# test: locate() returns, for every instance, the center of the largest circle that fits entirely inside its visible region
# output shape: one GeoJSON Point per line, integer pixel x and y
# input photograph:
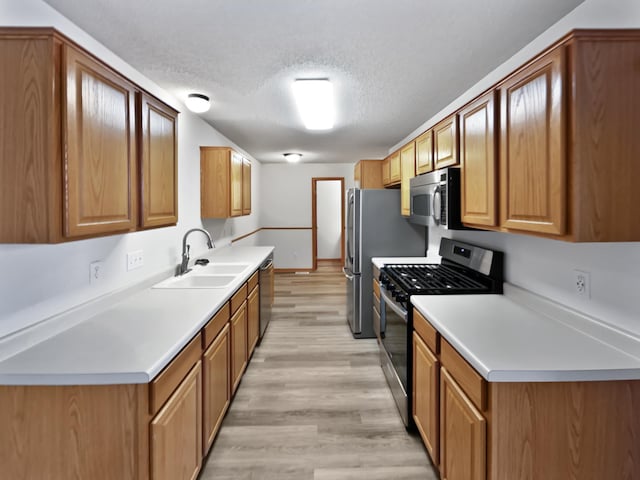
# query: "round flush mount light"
{"type": "Point", "coordinates": [197, 102]}
{"type": "Point", "coordinates": [292, 157]}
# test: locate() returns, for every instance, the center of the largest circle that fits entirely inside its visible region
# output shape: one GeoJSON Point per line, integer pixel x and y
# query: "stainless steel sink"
{"type": "Point", "coordinates": [194, 280]}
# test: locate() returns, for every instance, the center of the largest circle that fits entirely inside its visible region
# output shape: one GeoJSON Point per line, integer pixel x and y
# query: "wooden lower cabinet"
{"type": "Point", "coordinates": [394, 168]}
{"type": "Point", "coordinates": [520, 430]}
{"type": "Point", "coordinates": [238, 345]}
{"type": "Point", "coordinates": [176, 432]}
{"type": "Point", "coordinates": [216, 395]}
{"type": "Point", "coordinates": [426, 413]}
{"type": "Point", "coordinates": [253, 320]}
{"type": "Point", "coordinates": [463, 437]}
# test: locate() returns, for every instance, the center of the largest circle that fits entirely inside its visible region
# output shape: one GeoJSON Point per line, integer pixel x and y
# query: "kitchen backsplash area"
{"type": "Point", "coordinates": [547, 267]}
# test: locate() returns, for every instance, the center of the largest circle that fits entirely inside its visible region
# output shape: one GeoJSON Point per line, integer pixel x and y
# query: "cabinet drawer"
{"type": "Point", "coordinates": [238, 297]}
{"type": "Point", "coordinates": [168, 380]}
{"type": "Point", "coordinates": [376, 289]}
{"type": "Point", "coordinates": [252, 282]}
{"type": "Point", "coordinates": [215, 325]}
{"type": "Point", "coordinates": [376, 304]}
{"type": "Point", "coordinates": [471, 382]}
{"type": "Point", "coordinates": [428, 334]}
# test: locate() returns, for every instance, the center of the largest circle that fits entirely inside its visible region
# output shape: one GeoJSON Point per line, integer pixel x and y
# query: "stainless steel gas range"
{"type": "Point", "coordinates": [465, 269]}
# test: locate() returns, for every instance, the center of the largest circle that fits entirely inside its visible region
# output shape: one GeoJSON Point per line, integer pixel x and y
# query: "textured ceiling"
{"type": "Point", "coordinates": [394, 63]}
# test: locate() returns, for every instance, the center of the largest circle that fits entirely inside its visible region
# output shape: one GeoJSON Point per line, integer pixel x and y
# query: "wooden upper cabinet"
{"type": "Point", "coordinates": [236, 184]}
{"type": "Point", "coordinates": [533, 184]}
{"type": "Point", "coordinates": [424, 152]}
{"type": "Point", "coordinates": [368, 174]}
{"type": "Point", "coordinates": [445, 142]}
{"type": "Point", "coordinates": [100, 161]}
{"type": "Point", "coordinates": [394, 168]}
{"type": "Point", "coordinates": [246, 187]}
{"type": "Point", "coordinates": [408, 169]}
{"type": "Point", "coordinates": [478, 159]}
{"type": "Point", "coordinates": [221, 183]}
{"type": "Point", "coordinates": [386, 171]}
{"type": "Point", "coordinates": [69, 163]}
{"type": "Point", "coordinates": [158, 163]}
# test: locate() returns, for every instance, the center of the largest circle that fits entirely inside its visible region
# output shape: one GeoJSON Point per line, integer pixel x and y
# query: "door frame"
{"type": "Point", "coordinates": [314, 217]}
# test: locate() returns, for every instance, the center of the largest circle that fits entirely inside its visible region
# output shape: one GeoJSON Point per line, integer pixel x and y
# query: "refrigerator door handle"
{"type": "Point", "coordinates": [347, 274]}
{"type": "Point", "coordinates": [350, 231]}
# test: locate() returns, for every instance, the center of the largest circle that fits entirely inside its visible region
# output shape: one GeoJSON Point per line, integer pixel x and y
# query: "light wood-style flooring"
{"type": "Point", "coordinates": [313, 403]}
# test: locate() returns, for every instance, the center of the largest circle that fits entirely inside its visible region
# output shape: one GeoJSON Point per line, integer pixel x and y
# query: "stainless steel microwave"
{"type": "Point", "coordinates": [435, 199]}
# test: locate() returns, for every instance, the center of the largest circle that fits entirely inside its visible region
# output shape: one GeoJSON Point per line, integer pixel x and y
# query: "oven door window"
{"type": "Point", "coordinates": [395, 341]}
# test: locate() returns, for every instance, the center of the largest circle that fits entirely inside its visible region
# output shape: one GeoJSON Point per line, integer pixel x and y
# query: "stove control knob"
{"type": "Point", "coordinates": [401, 297]}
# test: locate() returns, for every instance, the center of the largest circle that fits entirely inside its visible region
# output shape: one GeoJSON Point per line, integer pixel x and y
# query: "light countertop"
{"type": "Point", "coordinates": [134, 339]}
{"type": "Point", "coordinates": [520, 337]}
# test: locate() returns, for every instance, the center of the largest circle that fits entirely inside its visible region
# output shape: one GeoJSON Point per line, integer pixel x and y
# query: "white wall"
{"type": "Point", "coordinates": [37, 281]}
{"type": "Point", "coordinates": [286, 202]}
{"type": "Point", "coordinates": [329, 219]}
{"type": "Point", "coordinates": [546, 266]}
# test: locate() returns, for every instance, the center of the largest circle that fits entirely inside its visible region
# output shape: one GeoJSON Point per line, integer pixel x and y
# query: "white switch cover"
{"type": "Point", "coordinates": [135, 260]}
{"type": "Point", "coordinates": [95, 272]}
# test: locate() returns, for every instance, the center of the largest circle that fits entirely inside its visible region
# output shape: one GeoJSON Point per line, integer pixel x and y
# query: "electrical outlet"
{"type": "Point", "coordinates": [582, 283]}
{"type": "Point", "coordinates": [135, 260]}
{"type": "Point", "coordinates": [95, 272]}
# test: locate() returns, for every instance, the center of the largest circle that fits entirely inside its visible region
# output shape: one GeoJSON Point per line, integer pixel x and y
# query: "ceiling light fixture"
{"type": "Point", "coordinates": [292, 157]}
{"type": "Point", "coordinates": [197, 103]}
{"type": "Point", "coordinates": [315, 102]}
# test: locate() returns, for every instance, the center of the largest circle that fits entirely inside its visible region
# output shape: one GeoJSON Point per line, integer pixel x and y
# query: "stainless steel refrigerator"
{"type": "Point", "coordinates": [375, 228]}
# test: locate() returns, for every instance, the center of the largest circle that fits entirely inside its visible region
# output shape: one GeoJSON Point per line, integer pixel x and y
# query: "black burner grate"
{"type": "Point", "coordinates": [436, 278]}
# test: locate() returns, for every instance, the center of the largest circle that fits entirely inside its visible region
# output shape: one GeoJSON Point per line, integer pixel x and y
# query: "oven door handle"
{"type": "Point", "coordinates": [392, 305]}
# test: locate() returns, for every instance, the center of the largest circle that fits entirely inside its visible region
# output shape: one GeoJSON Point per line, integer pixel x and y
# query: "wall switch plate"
{"type": "Point", "coordinates": [135, 260]}
{"type": "Point", "coordinates": [582, 283]}
{"type": "Point", "coordinates": [95, 272]}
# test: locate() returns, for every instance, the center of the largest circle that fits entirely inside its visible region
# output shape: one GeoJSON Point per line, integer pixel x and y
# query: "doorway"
{"type": "Point", "coordinates": [327, 225]}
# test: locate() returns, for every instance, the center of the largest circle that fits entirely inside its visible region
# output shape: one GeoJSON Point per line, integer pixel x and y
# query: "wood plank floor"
{"type": "Point", "coordinates": [313, 403]}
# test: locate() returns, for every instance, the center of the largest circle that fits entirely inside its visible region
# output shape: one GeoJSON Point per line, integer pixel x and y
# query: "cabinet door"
{"type": "Point", "coordinates": [386, 171]}
{"type": "Point", "coordinates": [238, 345]}
{"type": "Point", "coordinates": [216, 372]}
{"type": "Point", "coordinates": [158, 163]}
{"type": "Point", "coordinates": [532, 157]}
{"type": "Point", "coordinates": [394, 168]}
{"type": "Point", "coordinates": [463, 436]}
{"type": "Point", "coordinates": [246, 187]}
{"type": "Point", "coordinates": [253, 319]}
{"type": "Point", "coordinates": [424, 152]}
{"type": "Point", "coordinates": [176, 432]}
{"type": "Point", "coordinates": [445, 142]}
{"type": "Point", "coordinates": [426, 372]}
{"type": "Point", "coordinates": [408, 168]}
{"type": "Point", "coordinates": [236, 184]}
{"type": "Point", "coordinates": [478, 156]}
{"type": "Point", "coordinates": [100, 155]}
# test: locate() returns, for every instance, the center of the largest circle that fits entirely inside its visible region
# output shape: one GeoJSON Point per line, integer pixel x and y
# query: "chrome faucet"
{"type": "Point", "coordinates": [183, 268]}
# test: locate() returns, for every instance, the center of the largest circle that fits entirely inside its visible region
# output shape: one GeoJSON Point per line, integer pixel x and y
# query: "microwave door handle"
{"type": "Point", "coordinates": [435, 209]}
